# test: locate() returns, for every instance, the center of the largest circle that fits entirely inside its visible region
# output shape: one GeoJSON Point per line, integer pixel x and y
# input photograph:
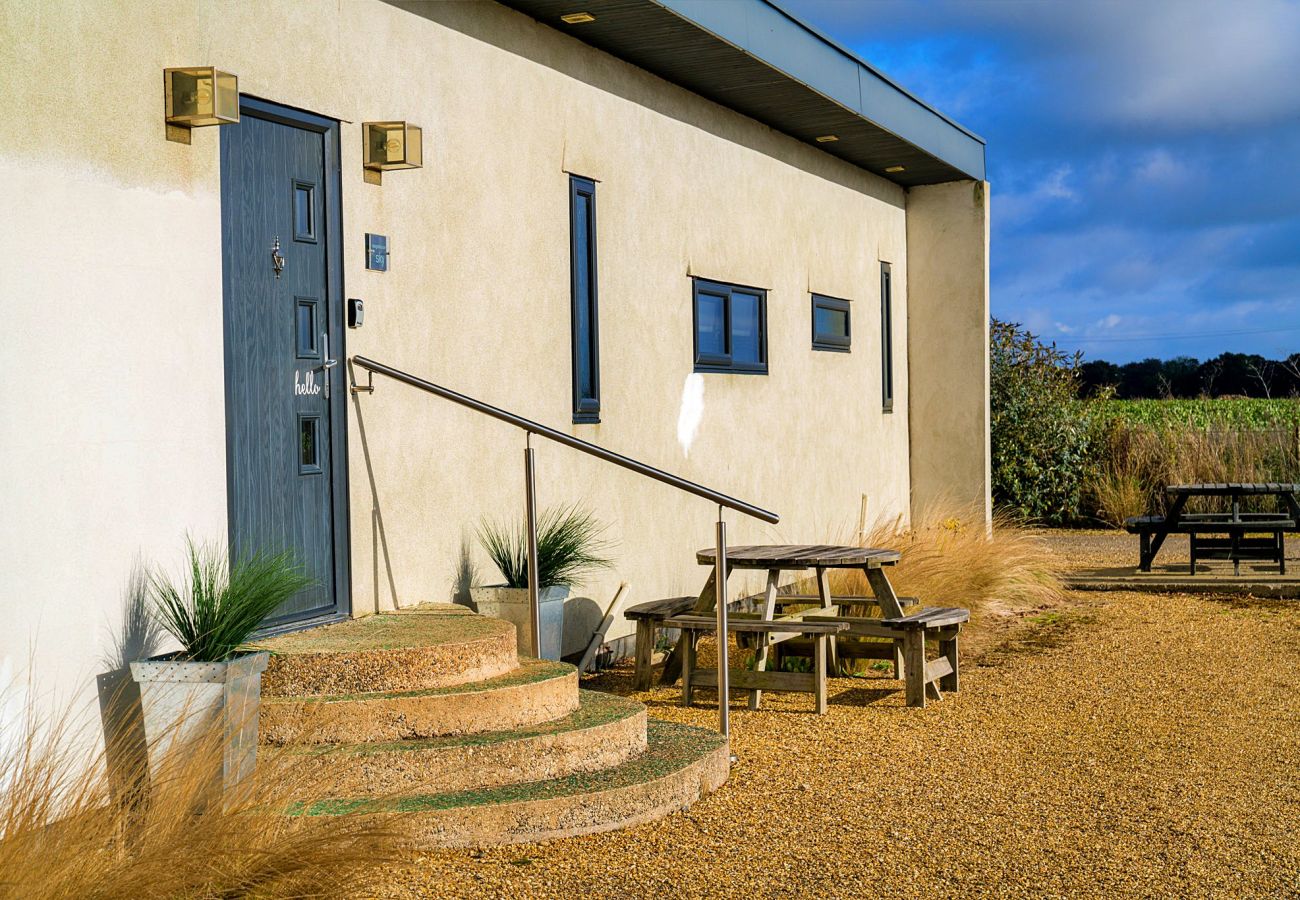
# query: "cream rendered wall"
{"type": "Point", "coordinates": [110, 282]}
{"type": "Point", "coordinates": [948, 356]}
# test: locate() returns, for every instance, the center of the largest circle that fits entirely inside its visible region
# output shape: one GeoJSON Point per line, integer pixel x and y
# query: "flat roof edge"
{"type": "Point", "coordinates": [774, 37]}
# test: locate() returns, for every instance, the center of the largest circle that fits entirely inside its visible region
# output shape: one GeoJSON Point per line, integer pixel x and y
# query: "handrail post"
{"type": "Point", "coordinates": [530, 513]}
{"type": "Point", "coordinates": [720, 603]}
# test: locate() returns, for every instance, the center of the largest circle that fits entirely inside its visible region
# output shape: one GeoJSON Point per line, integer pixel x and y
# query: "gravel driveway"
{"type": "Point", "coordinates": [1133, 745]}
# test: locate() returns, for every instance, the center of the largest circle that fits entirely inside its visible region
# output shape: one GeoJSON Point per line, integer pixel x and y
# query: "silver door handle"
{"type": "Point", "coordinates": [327, 361]}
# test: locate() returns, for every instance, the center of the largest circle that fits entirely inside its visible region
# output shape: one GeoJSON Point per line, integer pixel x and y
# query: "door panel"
{"type": "Point", "coordinates": [284, 387]}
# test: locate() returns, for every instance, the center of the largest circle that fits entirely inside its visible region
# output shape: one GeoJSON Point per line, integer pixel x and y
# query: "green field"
{"type": "Point", "coordinates": [1219, 412]}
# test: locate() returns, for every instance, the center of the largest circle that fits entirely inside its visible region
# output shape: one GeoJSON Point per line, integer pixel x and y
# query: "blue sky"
{"type": "Point", "coordinates": [1144, 158]}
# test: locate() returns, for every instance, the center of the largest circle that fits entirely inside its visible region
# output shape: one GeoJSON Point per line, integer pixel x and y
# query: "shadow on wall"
{"type": "Point", "coordinates": [466, 576]}
{"type": "Point", "coordinates": [120, 713]}
{"type": "Point", "coordinates": [515, 33]}
{"type": "Point", "coordinates": [378, 539]}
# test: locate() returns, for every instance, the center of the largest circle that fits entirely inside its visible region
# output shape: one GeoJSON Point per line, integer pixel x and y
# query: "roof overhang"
{"type": "Point", "coordinates": [752, 56]}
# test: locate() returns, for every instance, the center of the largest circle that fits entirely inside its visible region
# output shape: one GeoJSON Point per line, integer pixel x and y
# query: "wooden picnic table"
{"type": "Point", "coordinates": [1154, 529]}
{"type": "Point", "coordinates": [778, 558]}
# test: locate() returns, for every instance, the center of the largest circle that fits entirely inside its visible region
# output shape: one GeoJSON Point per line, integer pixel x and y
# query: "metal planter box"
{"type": "Point", "coordinates": [185, 701]}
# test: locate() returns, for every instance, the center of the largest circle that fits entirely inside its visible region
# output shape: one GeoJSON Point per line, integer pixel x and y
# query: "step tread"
{"type": "Point", "coordinates": [425, 626]}
{"type": "Point", "coordinates": [595, 709]}
{"type": "Point", "coordinates": [528, 671]}
{"type": "Point", "coordinates": [672, 748]}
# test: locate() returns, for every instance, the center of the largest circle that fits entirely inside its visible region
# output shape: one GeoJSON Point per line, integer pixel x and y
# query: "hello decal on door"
{"type": "Point", "coordinates": [305, 386]}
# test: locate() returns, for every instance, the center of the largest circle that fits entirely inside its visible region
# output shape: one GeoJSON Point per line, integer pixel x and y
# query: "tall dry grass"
{"type": "Point", "coordinates": [1137, 461]}
{"type": "Point", "coordinates": [71, 826]}
{"type": "Point", "coordinates": [949, 559]}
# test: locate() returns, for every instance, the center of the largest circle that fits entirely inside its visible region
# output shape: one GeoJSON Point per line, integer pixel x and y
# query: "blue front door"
{"type": "Point", "coordinates": [285, 388]}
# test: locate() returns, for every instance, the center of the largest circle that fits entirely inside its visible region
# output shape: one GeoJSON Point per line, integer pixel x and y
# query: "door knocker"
{"type": "Point", "coordinates": [277, 261]}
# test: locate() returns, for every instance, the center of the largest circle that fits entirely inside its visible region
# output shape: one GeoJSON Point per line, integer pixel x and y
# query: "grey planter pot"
{"type": "Point", "coordinates": [183, 701]}
{"type": "Point", "coordinates": [511, 604]}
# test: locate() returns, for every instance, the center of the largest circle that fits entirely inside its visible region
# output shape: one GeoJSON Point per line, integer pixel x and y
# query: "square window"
{"type": "Point", "coordinates": [830, 324]}
{"type": "Point", "coordinates": [730, 328]}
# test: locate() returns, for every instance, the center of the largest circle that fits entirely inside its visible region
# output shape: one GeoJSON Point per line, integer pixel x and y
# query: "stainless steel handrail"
{"type": "Point", "coordinates": [530, 507]}
{"type": "Point", "coordinates": [569, 440]}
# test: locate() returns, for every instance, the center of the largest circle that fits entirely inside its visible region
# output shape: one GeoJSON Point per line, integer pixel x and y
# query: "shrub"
{"type": "Point", "coordinates": [216, 607]}
{"type": "Point", "coordinates": [1042, 434]}
{"type": "Point", "coordinates": [569, 545]}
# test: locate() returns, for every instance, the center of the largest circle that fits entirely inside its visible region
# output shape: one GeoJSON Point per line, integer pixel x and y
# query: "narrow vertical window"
{"type": "Point", "coordinates": [582, 261]}
{"type": "Point", "coordinates": [886, 338]}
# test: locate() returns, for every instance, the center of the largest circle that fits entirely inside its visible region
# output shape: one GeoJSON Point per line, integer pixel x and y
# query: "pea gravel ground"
{"type": "Point", "coordinates": [1119, 745]}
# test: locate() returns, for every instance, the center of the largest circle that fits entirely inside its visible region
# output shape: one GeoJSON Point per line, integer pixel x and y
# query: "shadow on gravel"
{"type": "Point", "coordinates": [1034, 635]}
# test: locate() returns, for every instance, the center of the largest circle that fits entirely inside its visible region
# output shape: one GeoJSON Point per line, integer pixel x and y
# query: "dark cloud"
{"type": "Point", "coordinates": [1144, 156]}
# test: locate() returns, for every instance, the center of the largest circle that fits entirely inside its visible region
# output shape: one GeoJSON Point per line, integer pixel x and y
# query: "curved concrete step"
{"type": "Point", "coordinates": [434, 645]}
{"type": "Point", "coordinates": [680, 765]}
{"type": "Point", "coordinates": [603, 732]}
{"type": "Point", "coordinates": [537, 691]}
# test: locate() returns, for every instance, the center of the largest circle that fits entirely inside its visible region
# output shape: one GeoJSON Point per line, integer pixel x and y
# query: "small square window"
{"type": "Point", "coordinates": [830, 324]}
{"type": "Point", "coordinates": [730, 328]}
{"type": "Point", "coordinates": [306, 327]}
{"type": "Point", "coordinates": [309, 449]}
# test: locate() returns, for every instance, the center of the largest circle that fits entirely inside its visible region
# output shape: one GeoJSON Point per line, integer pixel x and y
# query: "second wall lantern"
{"type": "Point", "coordinates": [390, 145]}
{"type": "Point", "coordinates": [197, 96]}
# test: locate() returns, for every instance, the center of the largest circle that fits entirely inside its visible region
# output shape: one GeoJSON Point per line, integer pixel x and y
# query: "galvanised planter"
{"type": "Point", "coordinates": [185, 701]}
{"type": "Point", "coordinates": [511, 604]}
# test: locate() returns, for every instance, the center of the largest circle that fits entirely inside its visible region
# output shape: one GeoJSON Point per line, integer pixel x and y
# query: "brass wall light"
{"type": "Point", "coordinates": [390, 145]}
{"type": "Point", "coordinates": [197, 96]}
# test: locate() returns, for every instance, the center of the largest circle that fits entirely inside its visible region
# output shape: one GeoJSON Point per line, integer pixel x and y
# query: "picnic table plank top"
{"type": "Point", "coordinates": [1235, 487]}
{"type": "Point", "coordinates": [801, 556]}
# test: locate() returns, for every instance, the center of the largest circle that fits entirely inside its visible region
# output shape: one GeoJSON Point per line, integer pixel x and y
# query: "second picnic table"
{"type": "Point", "coordinates": [1236, 524]}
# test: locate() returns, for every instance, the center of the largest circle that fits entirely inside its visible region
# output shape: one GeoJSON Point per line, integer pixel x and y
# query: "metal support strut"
{"type": "Point", "coordinates": [530, 513]}
{"type": "Point", "coordinates": [720, 604]}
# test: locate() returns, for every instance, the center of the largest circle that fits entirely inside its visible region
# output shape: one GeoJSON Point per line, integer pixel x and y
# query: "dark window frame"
{"type": "Point", "coordinates": [723, 362]}
{"type": "Point", "coordinates": [835, 343]}
{"type": "Point", "coordinates": [886, 337]}
{"type": "Point", "coordinates": [586, 405]}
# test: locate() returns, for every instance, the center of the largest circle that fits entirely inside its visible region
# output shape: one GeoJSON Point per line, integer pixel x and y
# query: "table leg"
{"type": "Point", "coordinates": [914, 652]}
{"type": "Point", "coordinates": [687, 644]}
{"type": "Point", "coordinates": [705, 604]}
{"type": "Point", "coordinates": [820, 642]}
{"type": "Point", "coordinates": [645, 649]}
{"type": "Point", "coordinates": [948, 647]}
{"type": "Point", "coordinates": [824, 592]}
{"type": "Point", "coordinates": [760, 651]}
{"type": "Point", "coordinates": [1281, 552]}
{"type": "Point", "coordinates": [1158, 539]}
{"type": "Point", "coordinates": [890, 608]}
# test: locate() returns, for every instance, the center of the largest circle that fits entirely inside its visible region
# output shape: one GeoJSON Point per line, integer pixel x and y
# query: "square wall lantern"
{"type": "Point", "coordinates": [198, 96]}
{"type": "Point", "coordinates": [391, 145]}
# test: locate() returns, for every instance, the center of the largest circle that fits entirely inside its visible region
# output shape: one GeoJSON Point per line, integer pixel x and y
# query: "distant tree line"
{"type": "Point", "coordinates": [1229, 374]}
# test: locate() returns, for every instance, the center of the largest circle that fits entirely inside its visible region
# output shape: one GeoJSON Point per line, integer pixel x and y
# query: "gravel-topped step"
{"type": "Point", "coordinates": [680, 765]}
{"type": "Point", "coordinates": [537, 691]}
{"type": "Point", "coordinates": [603, 732]}
{"type": "Point", "coordinates": [433, 645]}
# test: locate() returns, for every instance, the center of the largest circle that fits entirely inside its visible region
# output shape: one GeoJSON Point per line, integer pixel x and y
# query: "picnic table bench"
{"type": "Point", "coordinates": [758, 679]}
{"type": "Point", "coordinates": [1241, 535]}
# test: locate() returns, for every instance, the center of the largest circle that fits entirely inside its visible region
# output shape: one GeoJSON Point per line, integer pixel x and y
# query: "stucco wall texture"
{"type": "Point", "coordinates": [110, 280]}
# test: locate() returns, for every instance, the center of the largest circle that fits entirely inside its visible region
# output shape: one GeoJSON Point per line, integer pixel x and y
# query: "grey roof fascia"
{"type": "Point", "coordinates": [769, 34]}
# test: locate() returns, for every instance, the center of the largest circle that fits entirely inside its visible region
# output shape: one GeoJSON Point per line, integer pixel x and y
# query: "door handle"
{"type": "Point", "coordinates": [328, 362]}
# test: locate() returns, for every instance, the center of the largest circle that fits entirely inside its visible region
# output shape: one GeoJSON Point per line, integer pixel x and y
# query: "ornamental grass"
{"type": "Point", "coordinates": [950, 559]}
{"type": "Point", "coordinates": [97, 826]}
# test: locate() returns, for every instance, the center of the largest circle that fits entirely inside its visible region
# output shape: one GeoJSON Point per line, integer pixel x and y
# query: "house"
{"type": "Point", "coordinates": [696, 233]}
